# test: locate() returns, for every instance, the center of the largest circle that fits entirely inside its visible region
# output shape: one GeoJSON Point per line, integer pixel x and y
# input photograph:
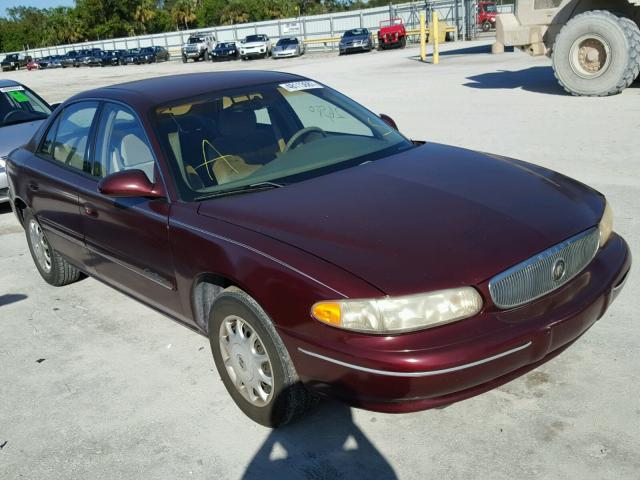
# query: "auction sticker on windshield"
{"type": "Point", "coordinates": [18, 96]}
{"type": "Point", "coordinates": [303, 85]}
{"type": "Point", "coordinates": [13, 88]}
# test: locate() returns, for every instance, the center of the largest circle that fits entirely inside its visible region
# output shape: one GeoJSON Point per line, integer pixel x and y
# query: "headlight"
{"type": "Point", "coordinates": [400, 314]}
{"type": "Point", "coordinates": [3, 163]}
{"type": "Point", "coordinates": [606, 224]}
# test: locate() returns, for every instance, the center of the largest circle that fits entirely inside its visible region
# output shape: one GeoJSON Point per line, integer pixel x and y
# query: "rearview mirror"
{"type": "Point", "coordinates": [128, 183]}
{"type": "Point", "coordinates": [389, 121]}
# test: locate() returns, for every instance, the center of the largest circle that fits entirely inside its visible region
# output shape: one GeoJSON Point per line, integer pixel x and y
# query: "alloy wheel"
{"type": "Point", "coordinates": [40, 246]}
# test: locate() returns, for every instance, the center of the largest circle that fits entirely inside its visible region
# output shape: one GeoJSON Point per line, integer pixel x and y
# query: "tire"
{"type": "Point", "coordinates": [597, 31]}
{"type": "Point", "coordinates": [57, 271]}
{"type": "Point", "coordinates": [288, 399]}
{"type": "Point", "coordinates": [403, 42]}
{"type": "Point", "coordinates": [633, 30]}
{"type": "Point", "coordinates": [486, 27]}
{"type": "Point", "coordinates": [184, 59]}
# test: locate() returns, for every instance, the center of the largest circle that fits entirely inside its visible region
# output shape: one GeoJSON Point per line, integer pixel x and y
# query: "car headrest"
{"type": "Point", "coordinates": [236, 121]}
{"type": "Point", "coordinates": [134, 151]}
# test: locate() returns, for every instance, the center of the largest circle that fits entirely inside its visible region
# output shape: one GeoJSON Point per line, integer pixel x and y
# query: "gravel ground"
{"type": "Point", "coordinates": [95, 386]}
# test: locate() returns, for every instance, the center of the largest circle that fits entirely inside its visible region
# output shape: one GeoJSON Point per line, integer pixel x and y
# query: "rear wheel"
{"type": "Point", "coordinates": [596, 54]}
{"type": "Point", "coordinates": [253, 363]}
{"type": "Point", "coordinates": [54, 269]}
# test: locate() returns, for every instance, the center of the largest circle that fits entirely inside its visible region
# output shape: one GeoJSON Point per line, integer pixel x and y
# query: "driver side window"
{"type": "Point", "coordinates": [121, 144]}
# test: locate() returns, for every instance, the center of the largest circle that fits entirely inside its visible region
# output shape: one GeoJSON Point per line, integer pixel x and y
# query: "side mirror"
{"type": "Point", "coordinates": [389, 121]}
{"type": "Point", "coordinates": [128, 183]}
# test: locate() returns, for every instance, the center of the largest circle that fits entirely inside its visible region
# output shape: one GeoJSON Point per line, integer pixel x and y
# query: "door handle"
{"type": "Point", "coordinates": [33, 187]}
{"type": "Point", "coordinates": [90, 210]}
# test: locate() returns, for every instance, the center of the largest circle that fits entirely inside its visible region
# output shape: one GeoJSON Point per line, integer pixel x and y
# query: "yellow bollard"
{"type": "Point", "coordinates": [423, 37]}
{"type": "Point", "coordinates": [436, 38]}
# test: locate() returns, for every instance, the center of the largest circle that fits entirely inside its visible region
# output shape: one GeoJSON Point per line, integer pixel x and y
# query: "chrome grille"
{"type": "Point", "coordinates": [544, 272]}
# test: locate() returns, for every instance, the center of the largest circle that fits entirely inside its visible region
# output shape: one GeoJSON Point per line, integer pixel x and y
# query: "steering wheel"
{"type": "Point", "coordinates": [17, 116]}
{"type": "Point", "coordinates": [299, 135]}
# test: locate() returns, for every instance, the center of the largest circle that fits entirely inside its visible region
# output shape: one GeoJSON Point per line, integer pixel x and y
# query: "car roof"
{"type": "Point", "coordinates": [150, 92]}
{"type": "Point", "coordinates": [8, 83]}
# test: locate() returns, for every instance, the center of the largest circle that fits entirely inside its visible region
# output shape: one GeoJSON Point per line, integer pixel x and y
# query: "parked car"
{"type": "Point", "coordinates": [392, 34]}
{"type": "Point", "coordinates": [234, 202]}
{"type": "Point", "coordinates": [198, 47]}
{"type": "Point", "coordinates": [132, 57]}
{"type": "Point", "coordinates": [486, 15]}
{"type": "Point", "coordinates": [356, 40]}
{"type": "Point", "coordinates": [288, 47]}
{"type": "Point", "coordinates": [33, 64]}
{"type": "Point", "coordinates": [225, 51]}
{"type": "Point", "coordinates": [154, 55]}
{"type": "Point", "coordinates": [52, 61]}
{"type": "Point", "coordinates": [14, 61]}
{"type": "Point", "coordinates": [86, 58]}
{"type": "Point", "coordinates": [255, 46]}
{"type": "Point", "coordinates": [113, 57]}
{"type": "Point", "coordinates": [21, 114]}
{"type": "Point", "coordinates": [69, 59]}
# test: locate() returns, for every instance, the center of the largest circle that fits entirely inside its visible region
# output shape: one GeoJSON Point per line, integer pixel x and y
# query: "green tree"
{"type": "Point", "coordinates": [184, 13]}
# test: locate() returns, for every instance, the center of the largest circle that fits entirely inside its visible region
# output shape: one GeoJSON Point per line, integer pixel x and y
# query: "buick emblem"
{"type": "Point", "coordinates": [559, 269]}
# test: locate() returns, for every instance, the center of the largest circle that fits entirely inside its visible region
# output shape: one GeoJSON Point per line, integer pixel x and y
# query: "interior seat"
{"type": "Point", "coordinates": [240, 135]}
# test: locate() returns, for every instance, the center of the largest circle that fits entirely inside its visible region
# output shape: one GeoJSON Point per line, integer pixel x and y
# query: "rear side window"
{"type": "Point", "coordinates": [68, 137]}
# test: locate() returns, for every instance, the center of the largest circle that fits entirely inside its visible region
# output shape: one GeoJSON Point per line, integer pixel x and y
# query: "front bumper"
{"type": "Point", "coordinates": [353, 48]}
{"type": "Point", "coordinates": [283, 53]}
{"type": "Point", "coordinates": [4, 186]}
{"type": "Point", "coordinates": [193, 53]}
{"type": "Point", "coordinates": [261, 52]}
{"type": "Point", "coordinates": [434, 367]}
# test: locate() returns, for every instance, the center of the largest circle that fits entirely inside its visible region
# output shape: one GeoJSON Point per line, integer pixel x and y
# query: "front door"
{"type": "Point", "coordinates": [128, 237]}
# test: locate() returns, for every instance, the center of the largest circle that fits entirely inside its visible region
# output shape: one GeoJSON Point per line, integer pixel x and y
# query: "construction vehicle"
{"type": "Point", "coordinates": [594, 45]}
{"type": "Point", "coordinates": [486, 13]}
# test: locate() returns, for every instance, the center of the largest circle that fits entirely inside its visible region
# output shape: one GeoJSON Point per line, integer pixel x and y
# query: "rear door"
{"type": "Point", "coordinates": [129, 237]}
{"type": "Point", "coordinates": [57, 173]}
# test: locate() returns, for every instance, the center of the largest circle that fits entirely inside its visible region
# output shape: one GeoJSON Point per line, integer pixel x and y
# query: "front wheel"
{"type": "Point", "coordinates": [253, 362]}
{"type": "Point", "coordinates": [595, 54]}
{"type": "Point", "coordinates": [54, 269]}
{"type": "Point", "coordinates": [184, 59]}
{"type": "Point", "coordinates": [486, 26]}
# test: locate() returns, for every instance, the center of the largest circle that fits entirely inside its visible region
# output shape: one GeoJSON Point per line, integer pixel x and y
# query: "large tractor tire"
{"type": "Point", "coordinates": [596, 54]}
{"type": "Point", "coordinates": [633, 30]}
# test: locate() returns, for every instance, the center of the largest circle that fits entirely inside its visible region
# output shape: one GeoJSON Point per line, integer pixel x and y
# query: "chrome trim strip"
{"type": "Point", "coordinates": [266, 255]}
{"type": "Point", "coordinates": [429, 373]}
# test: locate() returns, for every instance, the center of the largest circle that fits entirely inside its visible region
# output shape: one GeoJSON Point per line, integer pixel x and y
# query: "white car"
{"type": "Point", "coordinates": [288, 47]}
{"type": "Point", "coordinates": [21, 113]}
{"type": "Point", "coordinates": [255, 46]}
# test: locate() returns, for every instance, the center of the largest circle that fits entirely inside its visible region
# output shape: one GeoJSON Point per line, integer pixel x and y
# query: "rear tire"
{"type": "Point", "coordinates": [596, 54]}
{"type": "Point", "coordinates": [633, 30]}
{"type": "Point", "coordinates": [54, 269]}
{"type": "Point", "coordinates": [235, 355]}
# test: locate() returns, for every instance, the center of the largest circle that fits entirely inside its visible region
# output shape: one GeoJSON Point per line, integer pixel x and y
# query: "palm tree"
{"type": "Point", "coordinates": [184, 12]}
{"type": "Point", "coordinates": [144, 12]}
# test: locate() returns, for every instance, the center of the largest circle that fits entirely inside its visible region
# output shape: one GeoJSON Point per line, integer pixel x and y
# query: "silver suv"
{"type": "Point", "coordinates": [198, 47]}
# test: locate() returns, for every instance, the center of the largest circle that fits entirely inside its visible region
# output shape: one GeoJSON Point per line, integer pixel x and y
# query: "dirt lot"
{"type": "Point", "coordinates": [96, 386]}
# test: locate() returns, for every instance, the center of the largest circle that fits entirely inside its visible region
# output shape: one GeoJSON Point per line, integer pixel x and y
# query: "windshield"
{"type": "Point", "coordinates": [255, 38]}
{"type": "Point", "coordinates": [280, 133]}
{"type": "Point", "coordinates": [11, 58]}
{"type": "Point", "coordinates": [147, 50]}
{"type": "Point", "coordinates": [19, 105]}
{"type": "Point", "coordinates": [226, 45]}
{"type": "Point", "coordinates": [355, 32]}
{"type": "Point", "coordinates": [490, 8]}
{"type": "Point", "coordinates": [287, 41]}
{"type": "Point", "coordinates": [193, 40]}
{"type": "Point", "coordinates": [134, 50]}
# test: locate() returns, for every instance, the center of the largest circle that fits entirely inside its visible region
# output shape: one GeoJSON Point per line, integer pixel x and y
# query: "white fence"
{"type": "Point", "coordinates": [454, 12]}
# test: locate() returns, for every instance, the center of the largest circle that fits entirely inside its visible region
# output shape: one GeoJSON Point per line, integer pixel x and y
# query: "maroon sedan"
{"type": "Point", "coordinates": [320, 250]}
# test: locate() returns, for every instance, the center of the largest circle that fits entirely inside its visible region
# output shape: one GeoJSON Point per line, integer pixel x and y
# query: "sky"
{"type": "Point", "coordinates": [4, 4]}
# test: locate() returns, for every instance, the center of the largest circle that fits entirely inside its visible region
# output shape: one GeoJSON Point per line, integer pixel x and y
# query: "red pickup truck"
{"type": "Point", "coordinates": [392, 34]}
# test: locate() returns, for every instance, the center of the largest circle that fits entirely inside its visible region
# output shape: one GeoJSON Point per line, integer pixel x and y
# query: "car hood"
{"type": "Point", "coordinates": [14, 136]}
{"type": "Point", "coordinates": [254, 44]}
{"type": "Point", "coordinates": [354, 37]}
{"type": "Point", "coordinates": [429, 218]}
{"type": "Point", "coordinates": [285, 47]}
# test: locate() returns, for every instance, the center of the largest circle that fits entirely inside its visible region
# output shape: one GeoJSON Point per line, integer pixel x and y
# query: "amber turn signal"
{"type": "Point", "coordinates": [327, 312]}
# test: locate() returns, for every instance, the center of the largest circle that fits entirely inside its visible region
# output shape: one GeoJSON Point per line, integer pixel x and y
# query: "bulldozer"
{"type": "Point", "coordinates": [594, 45]}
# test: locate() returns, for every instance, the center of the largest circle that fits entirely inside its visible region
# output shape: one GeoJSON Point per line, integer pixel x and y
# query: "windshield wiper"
{"type": "Point", "coordinates": [254, 187]}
